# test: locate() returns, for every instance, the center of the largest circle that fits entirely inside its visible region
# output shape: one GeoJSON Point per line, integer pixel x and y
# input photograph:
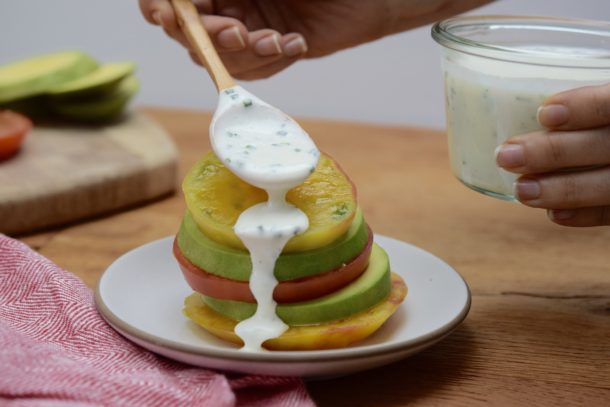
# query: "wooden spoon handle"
{"type": "Point", "coordinates": [189, 21]}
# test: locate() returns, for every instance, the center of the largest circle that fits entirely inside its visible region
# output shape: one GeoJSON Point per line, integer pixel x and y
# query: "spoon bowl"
{"type": "Point", "coordinates": [259, 143]}
{"type": "Point", "coordinates": [256, 141]}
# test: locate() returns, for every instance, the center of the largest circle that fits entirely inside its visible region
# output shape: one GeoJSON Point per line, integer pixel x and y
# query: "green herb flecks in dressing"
{"type": "Point", "coordinates": [269, 150]}
{"type": "Point", "coordinates": [488, 101]}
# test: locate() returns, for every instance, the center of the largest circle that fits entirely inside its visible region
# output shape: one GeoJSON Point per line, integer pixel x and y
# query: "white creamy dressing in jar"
{"type": "Point", "coordinates": [488, 101]}
{"type": "Point", "coordinates": [269, 150]}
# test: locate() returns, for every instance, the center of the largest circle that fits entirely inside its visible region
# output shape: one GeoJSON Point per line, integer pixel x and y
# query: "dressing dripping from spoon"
{"type": "Point", "coordinates": [266, 148]}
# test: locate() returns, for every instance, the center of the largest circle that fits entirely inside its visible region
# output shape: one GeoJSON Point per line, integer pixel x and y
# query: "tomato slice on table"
{"type": "Point", "coordinates": [13, 128]}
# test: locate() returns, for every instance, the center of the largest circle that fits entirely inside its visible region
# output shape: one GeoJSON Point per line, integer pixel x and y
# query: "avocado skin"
{"type": "Point", "coordinates": [372, 287]}
{"type": "Point", "coordinates": [235, 264]}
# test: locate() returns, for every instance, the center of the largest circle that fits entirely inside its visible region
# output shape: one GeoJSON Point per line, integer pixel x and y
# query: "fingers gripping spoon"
{"type": "Point", "coordinates": [284, 153]}
{"type": "Point", "coordinates": [266, 148]}
{"type": "Point", "coordinates": [189, 21]}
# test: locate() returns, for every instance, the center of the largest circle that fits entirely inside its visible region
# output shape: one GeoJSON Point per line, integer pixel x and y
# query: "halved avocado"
{"type": "Point", "coordinates": [34, 76]}
{"type": "Point", "coordinates": [97, 109]}
{"type": "Point", "coordinates": [370, 288]}
{"type": "Point", "coordinates": [105, 78]}
{"type": "Point", "coordinates": [235, 264]}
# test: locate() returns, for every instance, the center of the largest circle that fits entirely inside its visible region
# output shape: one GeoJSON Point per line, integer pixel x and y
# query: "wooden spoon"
{"type": "Point", "coordinates": [189, 21]}
{"type": "Point", "coordinates": [245, 127]}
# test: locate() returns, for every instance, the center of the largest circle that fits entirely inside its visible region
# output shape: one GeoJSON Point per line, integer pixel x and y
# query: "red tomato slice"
{"type": "Point", "coordinates": [302, 289]}
{"type": "Point", "coordinates": [13, 128]}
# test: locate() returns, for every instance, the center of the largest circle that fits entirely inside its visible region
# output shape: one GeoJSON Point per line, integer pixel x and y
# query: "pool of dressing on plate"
{"type": "Point", "coordinates": [269, 150]}
{"type": "Point", "coordinates": [487, 101]}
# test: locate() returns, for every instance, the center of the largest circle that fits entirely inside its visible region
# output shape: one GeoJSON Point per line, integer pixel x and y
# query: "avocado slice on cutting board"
{"type": "Point", "coordinates": [34, 76]}
{"type": "Point", "coordinates": [104, 79]}
{"type": "Point", "coordinates": [99, 107]}
{"type": "Point", "coordinates": [372, 287]}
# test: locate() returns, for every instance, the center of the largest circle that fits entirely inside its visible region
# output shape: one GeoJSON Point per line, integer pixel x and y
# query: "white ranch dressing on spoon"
{"type": "Point", "coordinates": [266, 148]}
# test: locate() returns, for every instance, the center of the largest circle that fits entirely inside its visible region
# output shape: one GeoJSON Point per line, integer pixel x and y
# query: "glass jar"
{"type": "Point", "coordinates": [498, 70]}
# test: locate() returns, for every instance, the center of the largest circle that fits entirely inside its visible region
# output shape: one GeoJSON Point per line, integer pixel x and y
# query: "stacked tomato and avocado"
{"type": "Point", "coordinates": [335, 284]}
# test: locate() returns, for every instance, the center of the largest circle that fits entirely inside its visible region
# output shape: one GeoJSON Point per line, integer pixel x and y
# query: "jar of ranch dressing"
{"type": "Point", "coordinates": [498, 70]}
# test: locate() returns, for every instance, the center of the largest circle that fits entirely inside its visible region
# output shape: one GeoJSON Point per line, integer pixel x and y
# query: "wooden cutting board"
{"type": "Point", "coordinates": [64, 174]}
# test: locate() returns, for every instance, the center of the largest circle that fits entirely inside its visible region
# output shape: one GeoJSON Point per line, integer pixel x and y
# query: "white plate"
{"type": "Point", "coordinates": [141, 296]}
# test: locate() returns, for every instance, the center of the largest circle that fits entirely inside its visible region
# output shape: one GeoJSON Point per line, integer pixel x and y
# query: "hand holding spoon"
{"type": "Point", "coordinates": [259, 143]}
{"type": "Point", "coordinates": [265, 148]}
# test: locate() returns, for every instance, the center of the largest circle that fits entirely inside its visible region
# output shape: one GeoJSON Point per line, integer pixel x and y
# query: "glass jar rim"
{"type": "Point", "coordinates": [446, 33]}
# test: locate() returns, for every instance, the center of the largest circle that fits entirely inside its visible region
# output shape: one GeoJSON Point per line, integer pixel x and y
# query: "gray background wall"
{"type": "Point", "coordinates": [395, 80]}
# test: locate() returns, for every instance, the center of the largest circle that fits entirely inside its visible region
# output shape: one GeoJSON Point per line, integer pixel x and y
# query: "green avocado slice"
{"type": "Point", "coordinates": [236, 264]}
{"type": "Point", "coordinates": [34, 76]}
{"type": "Point", "coordinates": [105, 78]}
{"type": "Point", "coordinates": [97, 109]}
{"type": "Point", "coordinates": [370, 288]}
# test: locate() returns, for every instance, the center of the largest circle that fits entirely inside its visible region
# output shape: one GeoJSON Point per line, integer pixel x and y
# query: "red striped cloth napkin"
{"type": "Point", "coordinates": [56, 350]}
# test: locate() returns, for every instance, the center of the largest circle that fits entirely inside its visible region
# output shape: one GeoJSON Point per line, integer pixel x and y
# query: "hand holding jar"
{"type": "Point", "coordinates": [536, 91]}
{"type": "Point", "coordinates": [566, 167]}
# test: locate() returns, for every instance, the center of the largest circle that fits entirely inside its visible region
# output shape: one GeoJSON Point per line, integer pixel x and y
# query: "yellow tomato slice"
{"type": "Point", "coordinates": [216, 197]}
{"type": "Point", "coordinates": [335, 334]}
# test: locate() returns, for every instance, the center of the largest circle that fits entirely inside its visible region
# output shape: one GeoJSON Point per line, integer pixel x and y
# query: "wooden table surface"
{"type": "Point", "coordinates": [538, 332]}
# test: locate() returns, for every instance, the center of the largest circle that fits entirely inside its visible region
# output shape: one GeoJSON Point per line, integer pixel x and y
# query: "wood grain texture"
{"type": "Point", "coordinates": [65, 174]}
{"type": "Point", "coordinates": [538, 330]}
